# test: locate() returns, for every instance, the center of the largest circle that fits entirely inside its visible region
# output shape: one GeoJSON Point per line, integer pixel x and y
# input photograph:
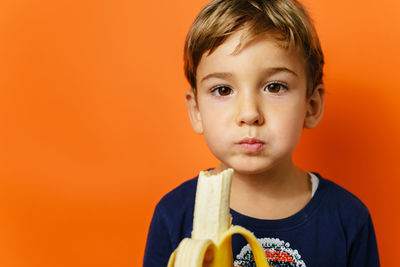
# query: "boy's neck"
{"type": "Point", "coordinates": [285, 187]}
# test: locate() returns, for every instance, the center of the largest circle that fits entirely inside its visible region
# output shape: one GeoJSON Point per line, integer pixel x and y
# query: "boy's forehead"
{"type": "Point", "coordinates": [240, 39]}
{"type": "Point", "coordinates": [265, 50]}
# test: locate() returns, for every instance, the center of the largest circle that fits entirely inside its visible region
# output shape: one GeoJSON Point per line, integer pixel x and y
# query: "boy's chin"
{"type": "Point", "coordinates": [249, 169]}
{"type": "Point", "coordinates": [256, 169]}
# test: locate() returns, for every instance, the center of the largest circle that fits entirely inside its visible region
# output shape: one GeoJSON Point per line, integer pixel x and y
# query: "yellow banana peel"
{"type": "Point", "coordinates": [212, 228]}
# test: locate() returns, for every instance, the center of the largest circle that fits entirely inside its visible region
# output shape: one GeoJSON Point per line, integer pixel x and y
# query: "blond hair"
{"type": "Point", "coordinates": [287, 18]}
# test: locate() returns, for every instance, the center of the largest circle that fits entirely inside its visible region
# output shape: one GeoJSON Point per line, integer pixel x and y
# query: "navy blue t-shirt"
{"type": "Point", "coordinates": [333, 229]}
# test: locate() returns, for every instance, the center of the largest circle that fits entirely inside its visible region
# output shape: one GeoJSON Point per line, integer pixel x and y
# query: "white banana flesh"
{"type": "Point", "coordinates": [212, 228]}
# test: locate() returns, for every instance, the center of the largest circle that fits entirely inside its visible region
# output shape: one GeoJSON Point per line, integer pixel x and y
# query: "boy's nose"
{"type": "Point", "coordinates": [249, 112]}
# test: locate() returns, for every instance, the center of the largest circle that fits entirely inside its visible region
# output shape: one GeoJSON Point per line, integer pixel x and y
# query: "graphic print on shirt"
{"type": "Point", "coordinates": [278, 253]}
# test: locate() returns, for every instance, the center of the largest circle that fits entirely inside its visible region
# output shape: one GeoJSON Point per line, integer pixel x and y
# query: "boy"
{"type": "Point", "coordinates": [255, 69]}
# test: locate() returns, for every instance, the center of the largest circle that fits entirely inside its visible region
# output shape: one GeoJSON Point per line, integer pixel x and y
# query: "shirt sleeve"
{"type": "Point", "coordinates": [158, 246]}
{"type": "Point", "coordinates": [364, 249]}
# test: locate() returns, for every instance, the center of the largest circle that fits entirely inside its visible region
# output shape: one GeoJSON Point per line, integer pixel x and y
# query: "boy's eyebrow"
{"type": "Point", "coordinates": [271, 71]}
{"type": "Point", "coordinates": [222, 75]}
{"type": "Point", "coordinates": [268, 72]}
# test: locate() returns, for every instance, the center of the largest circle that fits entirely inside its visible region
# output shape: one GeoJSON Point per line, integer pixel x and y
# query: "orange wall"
{"type": "Point", "coordinates": [93, 127]}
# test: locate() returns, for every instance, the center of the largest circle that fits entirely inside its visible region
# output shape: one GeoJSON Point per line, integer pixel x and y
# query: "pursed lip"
{"type": "Point", "coordinates": [250, 140]}
{"type": "Point", "coordinates": [251, 144]}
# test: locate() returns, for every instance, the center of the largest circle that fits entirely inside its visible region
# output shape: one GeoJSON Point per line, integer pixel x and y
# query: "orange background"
{"type": "Point", "coordinates": [94, 129]}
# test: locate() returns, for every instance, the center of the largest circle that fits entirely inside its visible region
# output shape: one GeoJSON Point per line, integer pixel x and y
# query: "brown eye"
{"type": "Point", "coordinates": [275, 87]}
{"type": "Point", "coordinates": [222, 91]}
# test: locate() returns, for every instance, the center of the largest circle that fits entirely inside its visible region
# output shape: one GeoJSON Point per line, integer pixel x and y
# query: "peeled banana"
{"type": "Point", "coordinates": [212, 228]}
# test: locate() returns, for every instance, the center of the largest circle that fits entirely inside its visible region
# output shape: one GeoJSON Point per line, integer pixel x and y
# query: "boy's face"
{"type": "Point", "coordinates": [252, 106]}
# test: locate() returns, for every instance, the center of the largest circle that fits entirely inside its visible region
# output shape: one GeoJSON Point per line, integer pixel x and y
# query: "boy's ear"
{"type": "Point", "coordinates": [315, 107]}
{"type": "Point", "coordinates": [194, 112]}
